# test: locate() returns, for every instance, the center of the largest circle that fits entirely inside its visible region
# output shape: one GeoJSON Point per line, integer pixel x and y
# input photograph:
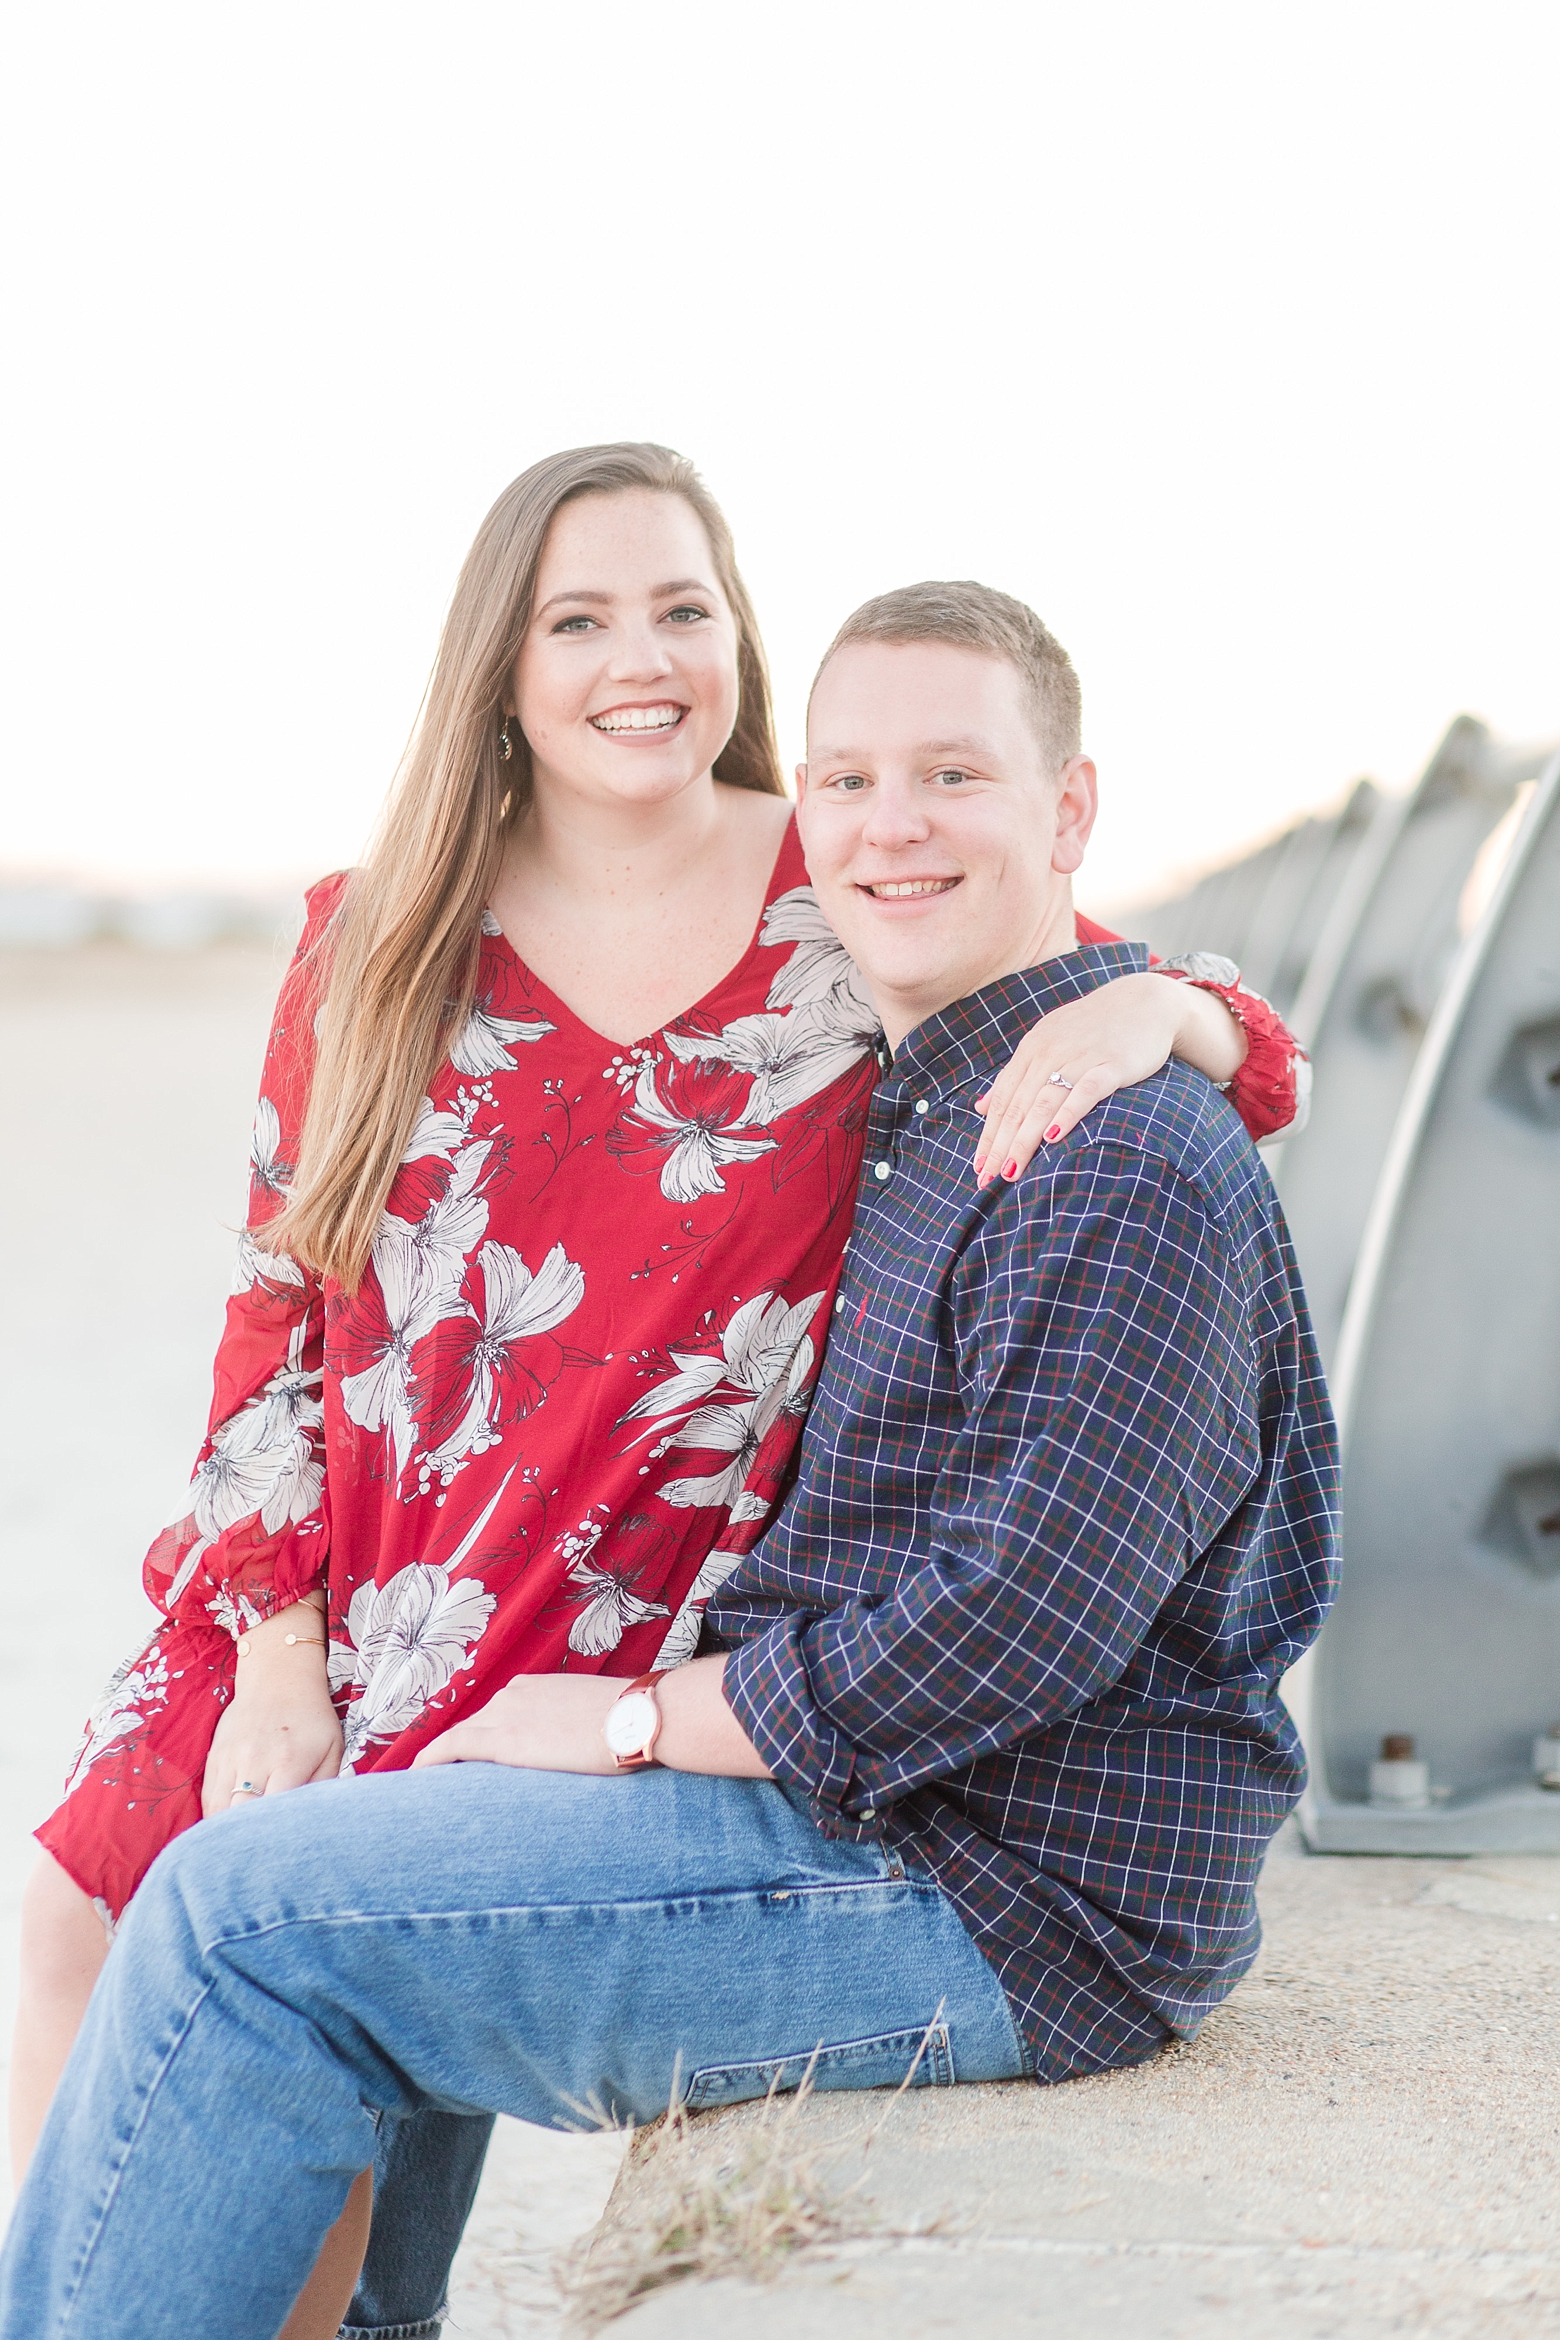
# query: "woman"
{"type": "Point", "coordinates": [530, 1302]}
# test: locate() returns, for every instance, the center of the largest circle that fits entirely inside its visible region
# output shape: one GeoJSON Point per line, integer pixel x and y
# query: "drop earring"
{"type": "Point", "coordinates": [505, 743]}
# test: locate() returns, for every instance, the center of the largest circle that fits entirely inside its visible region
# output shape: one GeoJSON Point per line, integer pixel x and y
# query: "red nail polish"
{"type": "Point", "coordinates": [1010, 1169]}
{"type": "Point", "coordinates": [1054, 1131]}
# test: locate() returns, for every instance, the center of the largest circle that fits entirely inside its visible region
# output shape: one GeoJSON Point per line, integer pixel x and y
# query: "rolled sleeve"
{"type": "Point", "coordinates": [768, 1688]}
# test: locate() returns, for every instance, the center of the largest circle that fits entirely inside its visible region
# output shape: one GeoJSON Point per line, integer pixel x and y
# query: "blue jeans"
{"type": "Point", "coordinates": [464, 1940]}
{"type": "Point", "coordinates": [426, 2172]}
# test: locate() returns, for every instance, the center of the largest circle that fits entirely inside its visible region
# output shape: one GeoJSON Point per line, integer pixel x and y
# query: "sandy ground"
{"type": "Point", "coordinates": [129, 1079]}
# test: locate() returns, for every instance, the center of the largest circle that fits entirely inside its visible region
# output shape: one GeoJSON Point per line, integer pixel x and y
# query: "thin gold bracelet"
{"type": "Point", "coordinates": [289, 1641]}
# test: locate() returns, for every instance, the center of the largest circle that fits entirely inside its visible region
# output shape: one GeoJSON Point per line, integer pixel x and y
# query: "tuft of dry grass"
{"type": "Point", "coordinates": [691, 2213]}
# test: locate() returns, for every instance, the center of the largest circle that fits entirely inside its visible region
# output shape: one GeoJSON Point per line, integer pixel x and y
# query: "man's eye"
{"type": "Point", "coordinates": [685, 611]}
{"type": "Point", "coordinates": [951, 777]}
{"type": "Point", "coordinates": [851, 782]}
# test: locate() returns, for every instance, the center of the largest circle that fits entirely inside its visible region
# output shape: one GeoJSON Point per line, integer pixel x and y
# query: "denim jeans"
{"type": "Point", "coordinates": [464, 1940]}
{"type": "Point", "coordinates": [426, 2172]}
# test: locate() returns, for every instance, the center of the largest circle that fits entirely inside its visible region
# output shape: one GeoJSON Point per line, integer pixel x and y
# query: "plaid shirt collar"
{"type": "Point", "coordinates": [968, 1043]}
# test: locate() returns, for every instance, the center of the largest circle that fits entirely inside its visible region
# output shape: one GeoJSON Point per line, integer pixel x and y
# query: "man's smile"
{"type": "Point", "coordinates": [906, 889]}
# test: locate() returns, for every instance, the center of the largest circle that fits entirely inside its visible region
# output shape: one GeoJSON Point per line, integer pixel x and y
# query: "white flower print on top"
{"type": "Point", "coordinates": [254, 1266]}
{"type": "Point", "coordinates": [411, 1636]}
{"type": "Point", "coordinates": [820, 969]}
{"type": "Point", "coordinates": [414, 1283]}
{"type": "Point", "coordinates": [139, 1685]}
{"type": "Point", "coordinates": [185, 1572]}
{"type": "Point", "coordinates": [234, 1615]}
{"type": "Point", "coordinates": [407, 1639]}
{"type": "Point", "coordinates": [733, 1398]}
{"type": "Point", "coordinates": [688, 1121]}
{"type": "Point", "coordinates": [265, 1145]}
{"type": "Point", "coordinates": [792, 1057]}
{"type": "Point", "coordinates": [450, 1228]}
{"type": "Point", "coordinates": [484, 1044]}
{"type": "Point", "coordinates": [821, 1021]}
{"type": "Point", "coordinates": [494, 1369]}
{"type": "Point", "coordinates": [392, 1311]}
{"type": "Point", "coordinates": [683, 1638]}
{"type": "Point", "coordinates": [434, 1133]}
{"type": "Point", "coordinates": [607, 1579]}
{"type": "Point", "coordinates": [266, 1457]}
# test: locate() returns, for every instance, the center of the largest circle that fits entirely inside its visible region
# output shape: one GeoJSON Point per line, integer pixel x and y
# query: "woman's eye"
{"type": "Point", "coordinates": [685, 611]}
{"type": "Point", "coordinates": [573, 625]}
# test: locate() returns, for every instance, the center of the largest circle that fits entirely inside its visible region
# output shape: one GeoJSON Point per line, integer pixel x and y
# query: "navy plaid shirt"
{"type": "Point", "coordinates": [1066, 1509]}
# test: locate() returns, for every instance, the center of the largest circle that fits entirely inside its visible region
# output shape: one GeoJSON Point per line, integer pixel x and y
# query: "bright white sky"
{"type": "Point", "coordinates": [1225, 335]}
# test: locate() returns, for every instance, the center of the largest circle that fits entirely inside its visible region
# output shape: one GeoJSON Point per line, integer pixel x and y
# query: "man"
{"type": "Point", "coordinates": [985, 1759]}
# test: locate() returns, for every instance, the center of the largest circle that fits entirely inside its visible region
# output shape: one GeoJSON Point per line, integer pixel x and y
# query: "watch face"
{"type": "Point", "coordinates": [630, 1725]}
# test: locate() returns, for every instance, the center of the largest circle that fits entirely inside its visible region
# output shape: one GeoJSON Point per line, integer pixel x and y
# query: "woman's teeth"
{"type": "Point", "coordinates": [638, 719]}
{"type": "Point", "coordinates": [897, 892]}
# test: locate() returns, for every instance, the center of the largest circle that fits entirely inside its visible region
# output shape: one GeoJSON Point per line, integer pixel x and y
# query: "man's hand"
{"type": "Point", "coordinates": [553, 1722]}
{"type": "Point", "coordinates": [539, 1722]}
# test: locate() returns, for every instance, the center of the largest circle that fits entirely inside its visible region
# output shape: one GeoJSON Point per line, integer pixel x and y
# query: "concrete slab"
{"type": "Point", "coordinates": [1364, 2140]}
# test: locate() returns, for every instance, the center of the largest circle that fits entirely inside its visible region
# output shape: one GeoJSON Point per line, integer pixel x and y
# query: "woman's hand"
{"type": "Point", "coordinates": [279, 1730]}
{"type": "Point", "coordinates": [1121, 1033]}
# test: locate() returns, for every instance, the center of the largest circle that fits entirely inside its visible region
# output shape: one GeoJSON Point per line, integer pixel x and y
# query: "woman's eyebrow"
{"type": "Point", "coordinates": [582, 595]}
{"type": "Point", "coordinates": [657, 593]}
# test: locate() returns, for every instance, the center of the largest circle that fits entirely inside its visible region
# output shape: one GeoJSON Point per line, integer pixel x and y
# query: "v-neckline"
{"type": "Point", "coordinates": [559, 1010]}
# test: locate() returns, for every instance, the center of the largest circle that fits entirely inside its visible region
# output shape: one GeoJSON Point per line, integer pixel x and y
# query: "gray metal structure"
{"type": "Point", "coordinates": [1448, 1390]}
{"type": "Point", "coordinates": [1266, 910]}
{"type": "Point", "coordinates": [1375, 974]}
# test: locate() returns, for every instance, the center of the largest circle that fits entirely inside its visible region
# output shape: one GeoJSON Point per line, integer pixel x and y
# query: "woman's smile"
{"type": "Point", "coordinates": [658, 719]}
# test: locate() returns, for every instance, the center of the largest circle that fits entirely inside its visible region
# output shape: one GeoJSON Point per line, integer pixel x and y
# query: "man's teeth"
{"type": "Point", "coordinates": [897, 892]}
{"type": "Point", "coordinates": [638, 719]}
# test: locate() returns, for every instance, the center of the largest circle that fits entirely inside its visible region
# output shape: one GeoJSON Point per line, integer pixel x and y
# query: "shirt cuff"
{"type": "Point", "coordinates": [766, 1685]}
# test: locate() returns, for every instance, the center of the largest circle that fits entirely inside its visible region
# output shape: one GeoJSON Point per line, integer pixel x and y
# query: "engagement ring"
{"type": "Point", "coordinates": [1060, 1081]}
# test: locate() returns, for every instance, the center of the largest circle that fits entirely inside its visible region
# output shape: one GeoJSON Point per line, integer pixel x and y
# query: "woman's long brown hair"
{"type": "Point", "coordinates": [402, 952]}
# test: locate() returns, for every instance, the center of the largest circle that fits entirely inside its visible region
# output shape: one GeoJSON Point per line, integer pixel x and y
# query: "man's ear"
{"type": "Point", "coordinates": [1077, 803]}
{"type": "Point", "coordinates": [801, 782]}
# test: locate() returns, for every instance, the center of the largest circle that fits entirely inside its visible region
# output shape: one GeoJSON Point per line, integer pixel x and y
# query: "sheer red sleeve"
{"type": "Point", "coordinates": [256, 1535]}
{"type": "Point", "coordinates": [1272, 1090]}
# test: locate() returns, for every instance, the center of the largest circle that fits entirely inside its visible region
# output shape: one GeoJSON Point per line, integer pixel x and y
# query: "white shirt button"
{"type": "Point", "coordinates": [921, 1105]}
{"type": "Point", "coordinates": [839, 1304]}
{"type": "Point", "coordinates": [882, 1169]}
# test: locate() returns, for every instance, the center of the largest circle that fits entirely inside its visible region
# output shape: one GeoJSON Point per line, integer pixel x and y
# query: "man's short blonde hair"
{"type": "Point", "coordinates": [977, 618]}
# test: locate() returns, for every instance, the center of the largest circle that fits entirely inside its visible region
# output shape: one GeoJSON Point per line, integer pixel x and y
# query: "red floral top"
{"type": "Point", "coordinates": [563, 1401]}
